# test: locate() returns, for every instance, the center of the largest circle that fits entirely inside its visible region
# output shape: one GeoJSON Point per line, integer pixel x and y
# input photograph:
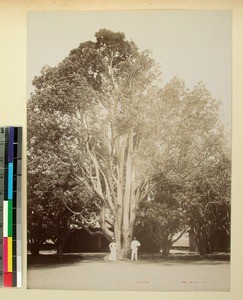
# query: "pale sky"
{"type": "Point", "coordinates": [195, 44]}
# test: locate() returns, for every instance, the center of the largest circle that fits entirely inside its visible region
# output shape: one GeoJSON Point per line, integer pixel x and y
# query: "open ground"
{"type": "Point", "coordinates": [90, 272]}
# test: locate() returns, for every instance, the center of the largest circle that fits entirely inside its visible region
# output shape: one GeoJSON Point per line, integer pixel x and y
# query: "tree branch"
{"type": "Point", "coordinates": [180, 235]}
{"type": "Point", "coordinates": [88, 223]}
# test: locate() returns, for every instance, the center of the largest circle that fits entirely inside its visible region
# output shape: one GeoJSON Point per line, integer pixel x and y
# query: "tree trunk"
{"type": "Point", "coordinates": [120, 192]}
{"type": "Point", "coordinates": [34, 248]}
{"type": "Point", "coordinates": [201, 241]}
{"type": "Point", "coordinates": [129, 200]}
{"type": "Point", "coordinates": [166, 248]}
{"type": "Point", "coordinates": [123, 231]}
{"type": "Point", "coordinates": [60, 246]}
{"type": "Point", "coordinates": [123, 236]}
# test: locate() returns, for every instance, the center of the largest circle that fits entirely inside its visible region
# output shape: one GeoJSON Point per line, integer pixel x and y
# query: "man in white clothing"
{"type": "Point", "coordinates": [134, 246]}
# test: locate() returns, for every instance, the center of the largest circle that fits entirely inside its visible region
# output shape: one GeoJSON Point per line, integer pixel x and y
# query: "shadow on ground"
{"type": "Point", "coordinates": [50, 260]}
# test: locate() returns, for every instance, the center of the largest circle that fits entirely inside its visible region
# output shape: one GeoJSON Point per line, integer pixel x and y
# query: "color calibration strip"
{"type": "Point", "coordinates": [10, 206]}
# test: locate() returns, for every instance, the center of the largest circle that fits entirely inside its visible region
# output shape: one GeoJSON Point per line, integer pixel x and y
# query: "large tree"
{"type": "Point", "coordinates": [101, 112]}
{"type": "Point", "coordinates": [96, 109]}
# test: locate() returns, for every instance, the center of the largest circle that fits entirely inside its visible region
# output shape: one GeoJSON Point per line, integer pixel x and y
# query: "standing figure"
{"type": "Point", "coordinates": [134, 246]}
{"type": "Point", "coordinates": [113, 248]}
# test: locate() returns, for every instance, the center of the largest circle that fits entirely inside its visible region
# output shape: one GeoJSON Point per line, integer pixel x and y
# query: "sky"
{"type": "Point", "coordinates": [193, 44]}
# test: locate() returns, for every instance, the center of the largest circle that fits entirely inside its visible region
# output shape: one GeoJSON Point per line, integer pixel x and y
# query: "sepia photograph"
{"type": "Point", "coordinates": [129, 150]}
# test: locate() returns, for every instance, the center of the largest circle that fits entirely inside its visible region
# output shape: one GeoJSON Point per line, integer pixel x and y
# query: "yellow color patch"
{"type": "Point", "coordinates": [10, 254]}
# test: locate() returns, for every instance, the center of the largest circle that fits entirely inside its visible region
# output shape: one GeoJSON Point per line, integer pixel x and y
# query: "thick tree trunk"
{"type": "Point", "coordinates": [124, 230]}
{"type": "Point", "coordinates": [119, 189]}
{"type": "Point", "coordinates": [124, 239]}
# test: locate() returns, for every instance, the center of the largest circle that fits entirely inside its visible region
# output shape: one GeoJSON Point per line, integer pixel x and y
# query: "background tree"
{"type": "Point", "coordinates": [163, 215]}
{"type": "Point", "coordinates": [193, 159]}
{"type": "Point", "coordinates": [36, 223]}
{"type": "Point", "coordinates": [49, 219]}
{"type": "Point", "coordinates": [54, 199]}
{"type": "Point", "coordinates": [208, 207]}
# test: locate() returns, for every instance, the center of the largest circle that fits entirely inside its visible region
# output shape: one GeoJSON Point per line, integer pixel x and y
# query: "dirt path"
{"type": "Point", "coordinates": [143, 275]}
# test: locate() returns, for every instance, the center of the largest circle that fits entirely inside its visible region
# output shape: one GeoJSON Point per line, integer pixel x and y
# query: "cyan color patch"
{"type": "Point", "coordinates": [10, 181]}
